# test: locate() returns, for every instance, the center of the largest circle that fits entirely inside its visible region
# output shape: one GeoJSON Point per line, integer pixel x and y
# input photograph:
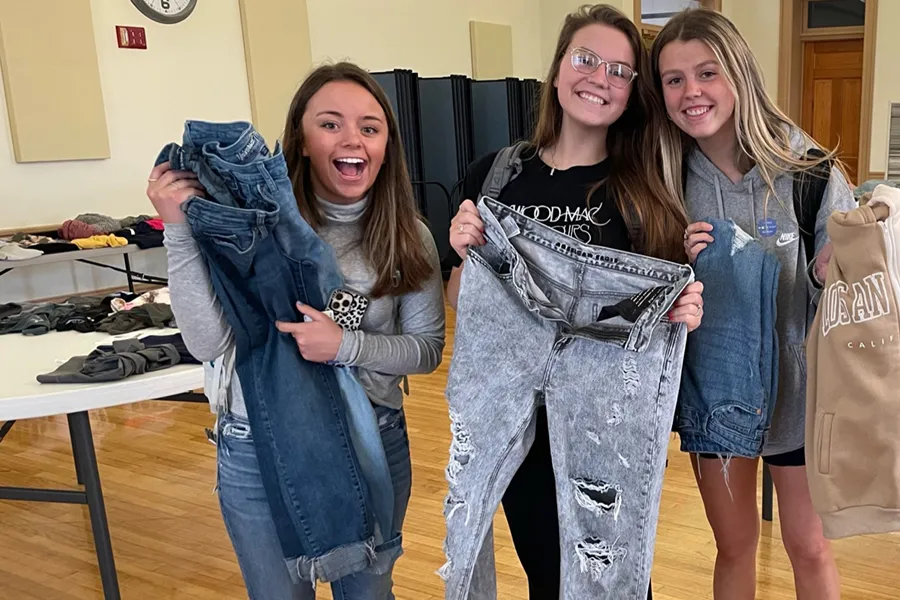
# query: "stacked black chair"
{"type": "Point", "coordinates": [447, 146]}
{"type": "Point", "coordinates": [402, 88]}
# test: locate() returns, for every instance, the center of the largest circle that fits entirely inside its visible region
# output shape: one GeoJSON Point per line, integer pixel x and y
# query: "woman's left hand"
{"type": "Point", "coordinates": [688, 308]}
{"type": "Point", "coordinates": [822, 260]}
{"type": "Point", "coordinates": [319, 339]}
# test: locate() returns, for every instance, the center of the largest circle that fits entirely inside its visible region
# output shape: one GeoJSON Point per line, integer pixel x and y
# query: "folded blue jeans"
{"type": "Point", "coordinates": [730, 378]}
{"type": "Point", "coordinates": [316, 435]}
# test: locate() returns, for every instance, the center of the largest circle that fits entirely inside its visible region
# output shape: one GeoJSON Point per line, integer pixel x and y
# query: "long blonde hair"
{"type": "Point", "coordinates": [763, 130]}
{"type": "Point", "coordinates": [636, 177]}
{"type": "Point", "coordinates": [392, 240]}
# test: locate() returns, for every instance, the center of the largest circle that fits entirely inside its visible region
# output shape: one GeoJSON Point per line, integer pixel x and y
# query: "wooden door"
{"type": "Point", "coordinates": [832, 96]}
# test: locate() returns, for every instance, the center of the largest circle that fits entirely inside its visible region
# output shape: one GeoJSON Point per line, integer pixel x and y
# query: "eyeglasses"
{"type": "Point", "coordinates": [586, 62]}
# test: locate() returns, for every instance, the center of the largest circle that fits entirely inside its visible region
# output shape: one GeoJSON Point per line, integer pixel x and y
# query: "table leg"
{"type": "Point", "coordinates": [767, 493]}
{"type": "Point", "coordinates": [4, 429]}
{"type": "Point", "coordinates": [128, 274]}
{"type": "Point", "coordinates": [83, 448]}
{"type": "Point", "coordinates": [75, 455]}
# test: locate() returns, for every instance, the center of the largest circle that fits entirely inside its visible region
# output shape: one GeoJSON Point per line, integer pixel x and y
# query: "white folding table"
{"type": "Point", "coordinates": [22, 397]}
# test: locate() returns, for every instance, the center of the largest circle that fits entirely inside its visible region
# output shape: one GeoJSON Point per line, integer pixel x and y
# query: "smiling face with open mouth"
{"type": "Point", "coordinates": [698, 98]}
{"type": "Point", "coordinates": [345, 136]}
{"type": "Point", "coordinates": [588, 99]}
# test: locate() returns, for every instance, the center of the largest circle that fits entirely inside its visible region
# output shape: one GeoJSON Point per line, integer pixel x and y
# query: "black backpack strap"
{"type": "Point", "coordinates": [809, 190]}
{"type": "Point", "coordinates": [506, 167]}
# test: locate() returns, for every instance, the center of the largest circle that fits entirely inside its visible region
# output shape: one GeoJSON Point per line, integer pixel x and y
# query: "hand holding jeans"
{"type": "Point", "coordinates": [318, 338]}
{"type": "Point", "coordinates": [466, 229]}
{"type": "Point", "coordinates": [688, 308]}
{"type": "Point", "coordinates": [696, 238]}
{"type": "Point", "coordinates": [168, 190]}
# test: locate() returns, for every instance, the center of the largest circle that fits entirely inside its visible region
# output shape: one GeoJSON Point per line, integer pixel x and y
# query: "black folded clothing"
{"type": "Point", "coordinates": [153, 341]}
{"type": "Point", "coordinates": [55, 247]}
{"type": "Point", "coordinates": [127, 358]}
{"type": "Point", "coordinates": [10, 308]}
{"type": "Point", "coordinates": [142, 235]}
{"type": "Point", "coordinates": [176, 341]}
{"type": "Point", "coordinates": [84, 320]}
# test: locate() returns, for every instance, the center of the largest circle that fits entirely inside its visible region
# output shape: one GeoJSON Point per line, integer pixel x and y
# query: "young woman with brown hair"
{"type": "Point", "coordinates": [343, 150]}
{"type": "Point", "coordinates": [593, 171]}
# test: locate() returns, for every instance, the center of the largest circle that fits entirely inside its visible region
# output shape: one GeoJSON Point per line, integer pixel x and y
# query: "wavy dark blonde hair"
{"type": "Point", "coordinates": [392, 239]}
{"type": "Point", "coordinates": [763, 130]}
{"type": "Point", "coordinates": [638, 177]}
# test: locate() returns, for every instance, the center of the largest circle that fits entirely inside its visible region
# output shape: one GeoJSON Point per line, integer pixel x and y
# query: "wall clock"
{"type": "Point", "coordinates": [166, 11]}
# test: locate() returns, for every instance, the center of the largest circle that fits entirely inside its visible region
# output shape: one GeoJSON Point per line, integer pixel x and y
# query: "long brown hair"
{"type": "Point", "coordinates": [763, 131]}
{"type": "Point", "coordinates": [636, 177]}
{"type": "Point", "coordinates": [392, 238]}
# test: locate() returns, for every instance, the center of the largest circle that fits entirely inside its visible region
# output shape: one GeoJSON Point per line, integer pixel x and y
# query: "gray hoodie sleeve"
{"type": "Point", "coordinates": [197, 311]}
{"type": "Point", "coordinates": [419, 347]}
{"type": "Point", "coordinates": [838, 196]}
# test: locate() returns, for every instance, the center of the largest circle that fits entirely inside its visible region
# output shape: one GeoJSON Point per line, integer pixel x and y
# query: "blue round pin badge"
{"type": "Point", "coordinates": [767, 227]}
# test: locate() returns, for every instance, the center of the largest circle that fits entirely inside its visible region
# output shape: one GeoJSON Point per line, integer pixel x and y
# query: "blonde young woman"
{"type": "Point", "coordinates": [741, 155]}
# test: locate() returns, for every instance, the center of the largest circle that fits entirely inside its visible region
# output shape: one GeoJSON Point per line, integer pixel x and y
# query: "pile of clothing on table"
{"type": "Point", "coordinates": [84, 232]}
{"type": "Point", "coordinates": [115, 314]}
{"type": "Point", "coordinates": [121, 359]}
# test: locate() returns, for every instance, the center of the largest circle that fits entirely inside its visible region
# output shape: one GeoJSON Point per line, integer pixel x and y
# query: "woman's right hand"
{"type": "Point", "coordinates": [696, 239]}
{"type": "Point", "coordinates": [168, 190]}
{"type": "Point", "coordinates": [466, 229]}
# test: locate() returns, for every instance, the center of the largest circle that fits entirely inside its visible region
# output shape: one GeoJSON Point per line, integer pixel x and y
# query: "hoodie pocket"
{"type": "Point", "coordinates": [823, 442]}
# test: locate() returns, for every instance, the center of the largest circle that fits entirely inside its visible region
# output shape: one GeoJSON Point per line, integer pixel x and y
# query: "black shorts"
{"type": "Point", "coordinates": [794, 458]}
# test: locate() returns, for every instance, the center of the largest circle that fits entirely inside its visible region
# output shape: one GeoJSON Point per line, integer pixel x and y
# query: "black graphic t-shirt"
{"type": "Point", "coordinates": [558, 199]}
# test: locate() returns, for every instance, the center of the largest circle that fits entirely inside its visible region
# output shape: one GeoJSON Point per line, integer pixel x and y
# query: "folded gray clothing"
{"type": "Point", "coordinates": [127, 358]}
{"type": "Point", "coordinates": [105, 223]}
{"type": "Point", "coordinates": [139, 317]}
{"type": "Point", "coordinates": [37, 320]}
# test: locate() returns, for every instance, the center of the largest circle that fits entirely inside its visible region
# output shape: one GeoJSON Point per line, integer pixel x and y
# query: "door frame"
{"type": "Point", "coordinates": [790, 68]}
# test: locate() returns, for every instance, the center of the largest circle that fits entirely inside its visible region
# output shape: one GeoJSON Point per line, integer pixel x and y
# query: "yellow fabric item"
{"type": "Point", "coordinates": [100, 241]}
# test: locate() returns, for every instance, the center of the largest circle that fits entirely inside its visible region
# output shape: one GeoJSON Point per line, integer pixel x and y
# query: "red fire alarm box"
{"type": "Point", "coordinates": [131, 37]}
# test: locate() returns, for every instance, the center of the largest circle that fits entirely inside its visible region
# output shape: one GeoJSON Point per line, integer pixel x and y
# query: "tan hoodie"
{"type": "Point", "coordinates": [853, 378]}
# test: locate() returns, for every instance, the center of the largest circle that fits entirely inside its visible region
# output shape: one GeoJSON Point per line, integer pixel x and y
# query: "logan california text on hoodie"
{"type": "Point", "coordinates": [853, 413]}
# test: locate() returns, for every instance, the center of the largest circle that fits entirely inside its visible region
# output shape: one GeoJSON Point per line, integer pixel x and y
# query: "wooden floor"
{"type": "Point", "coordinates": [158, 472]}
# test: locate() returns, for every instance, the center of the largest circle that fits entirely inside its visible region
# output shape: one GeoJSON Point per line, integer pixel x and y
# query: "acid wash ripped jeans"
{"type": "Point", "coordinates": [545, 320]}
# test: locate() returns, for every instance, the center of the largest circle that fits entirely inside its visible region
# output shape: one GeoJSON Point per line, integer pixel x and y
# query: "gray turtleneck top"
{"type": "Point", "coordinates": [399, 335]}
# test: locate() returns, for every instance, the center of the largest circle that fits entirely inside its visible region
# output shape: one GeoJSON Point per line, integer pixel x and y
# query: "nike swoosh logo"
{"type": "Point", "coordinates": [785, 239]}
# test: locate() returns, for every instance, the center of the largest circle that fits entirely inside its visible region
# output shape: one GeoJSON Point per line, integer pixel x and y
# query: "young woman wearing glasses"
{"type": "Point", "coordinates": [593, 172]}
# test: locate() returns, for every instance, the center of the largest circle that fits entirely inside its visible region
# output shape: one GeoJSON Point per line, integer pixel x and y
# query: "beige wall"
{"type": "Point", "coordinates": [191, 70]}
{"type": "Point", "coordinates": [427, 36]}
{"type": "Point", "coordinates": [277, 53]}
{"type": "Point", "coordinates": [758, 21]}
{"type": "Point", "coordinates": [887, 79]}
